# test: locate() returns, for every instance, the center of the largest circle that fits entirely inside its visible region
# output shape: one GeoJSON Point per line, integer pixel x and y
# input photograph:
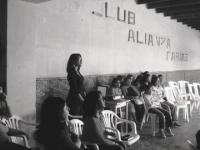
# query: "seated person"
{"type": "Point", "coordinates": [52, 132]}
{"type": "Point", "coordinates": [158, 91]}
{"type": "Point", "coordinates": [133, 93]}
{"type": "Point", "coordinates": [94, 128]}
{"type": "Point", "coordinates": [153, 106]}
{"type": "Point", "coordinates": [115, 91]}
{"type": "Point", "coordinates": [5, 132]}
{"type": "Point", "coordinates": [4, 108]}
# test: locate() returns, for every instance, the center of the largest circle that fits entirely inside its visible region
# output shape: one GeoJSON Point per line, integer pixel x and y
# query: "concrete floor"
{"type": "Point", "coordinates": [178, 142]}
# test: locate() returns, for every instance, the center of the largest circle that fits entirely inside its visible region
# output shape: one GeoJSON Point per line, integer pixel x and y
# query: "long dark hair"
{"type": "Point", "coordinates": [90, 104]}
{"type": "Point", "coordinates": [4, 108]}
{"type": "Point", "coordinates": [73, 59]}
{"type": "Point", "coordinates": [154, 79]}
{"type": "Point", "coordinates": [51, 111]}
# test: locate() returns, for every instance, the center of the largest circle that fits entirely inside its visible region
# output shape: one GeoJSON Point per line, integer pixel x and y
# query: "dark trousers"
{"type": "Point", "coordinates": [170, 108]}
{"type": "Point", "coordinates": [140, 111]}
{"type": "Point", "coordinates": [164, 117]}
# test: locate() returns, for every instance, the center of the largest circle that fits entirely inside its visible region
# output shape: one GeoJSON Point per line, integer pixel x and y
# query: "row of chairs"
{"type": "Point", "coordinates": [184, 96]}
{"type": "Point", "coordinates": [112, 122]}
{"type": "Point", "coordinates": [188, 92]}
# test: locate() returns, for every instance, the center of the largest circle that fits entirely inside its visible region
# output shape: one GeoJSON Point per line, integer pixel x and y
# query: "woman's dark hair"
{"type": "Point", "coordinates": [154, 79]}
{"type": "Point", "coordinates": [114, 81]}
{"type": "Point", "coordinates": [137, 80]}
{"type": "Point", "coordinates": [73, 59]}
{"type": "Point", "coordinates": [90, 104]}
{"type": "Point", "coordinates": [160, 76]}
{"type": "Point", "coordinates": [147, 89]}
{"type": "Point", "coordinates": [4, 108]}
{"type": "Point", "coordinates": [51, 111]}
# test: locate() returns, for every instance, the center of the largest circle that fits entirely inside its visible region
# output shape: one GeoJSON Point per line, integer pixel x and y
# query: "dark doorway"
{"type": "Point", "coordinates": [3, 44]}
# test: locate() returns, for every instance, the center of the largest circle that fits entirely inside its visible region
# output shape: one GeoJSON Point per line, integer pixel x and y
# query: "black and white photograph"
{"type": "Point", "coordinates": [99, 75]}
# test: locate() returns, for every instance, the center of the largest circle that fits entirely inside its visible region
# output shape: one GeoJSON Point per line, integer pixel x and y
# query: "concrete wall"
{"type": "Point", "coordinates": [42, 36]}
{"type": "Point", "coordinates": [21, 68]}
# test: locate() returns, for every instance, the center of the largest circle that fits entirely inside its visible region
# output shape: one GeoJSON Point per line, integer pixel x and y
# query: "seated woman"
{"type": "Point", "coordinates": [133, 93]}
{"type": "Point", "coordinates": [53, 132]}
{"type": "Point", "coordinates": [158, 91]}
{"type": "Point", "coordinates": [153, 106]}
{"type": "Point", "coordinates": [94, 128]}
{"type": "Point", "coordinates": [5, 132]}
{"type": "Point", "coordinates": [115, 91]}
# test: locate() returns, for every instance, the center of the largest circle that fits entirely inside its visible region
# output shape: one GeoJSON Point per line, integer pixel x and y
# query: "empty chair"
{"type": "Point", "coordinates": [195, 97]}
{"type": "Point", "coordinates": [111, 120]}
{"type": "Point", "coordinates": [179, 104]}
{"type": "Point", "coordinates": [172, 83]}
{"type": "Point", "coordinates": [184, 88]}
{"type": "Point", "coordinates": [182, 98]}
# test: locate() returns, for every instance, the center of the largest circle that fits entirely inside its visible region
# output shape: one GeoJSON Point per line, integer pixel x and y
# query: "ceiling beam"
{"type": "Point", "coordinates": [186, 15]}
{"type": "Point", "coordinates": [179, 8]}
{"type": "Point", "coordinates": [147, 1]}
{"type": "Point", "coordinates": [172, 3]}
{"type": "Point", "coordinates": [189, 20]}
{"type": "Point", "coordinates": [181, 12]}
{"type": "Point", "coordinates": [194, 16]}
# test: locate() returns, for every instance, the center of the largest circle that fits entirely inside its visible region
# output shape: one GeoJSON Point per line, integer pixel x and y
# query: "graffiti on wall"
{"type": "Point", "coordinates": [138, 37]}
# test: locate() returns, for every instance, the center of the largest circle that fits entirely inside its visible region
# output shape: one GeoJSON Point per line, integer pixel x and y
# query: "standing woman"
{"type": "Point", "coordinates": [76, 93]}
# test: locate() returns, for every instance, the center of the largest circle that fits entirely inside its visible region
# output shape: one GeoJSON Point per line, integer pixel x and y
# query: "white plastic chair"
{"type": "Point", "coordinates": [172, 83]}
{"type": "Point", "coordinates": [111, 120]}
{"type": "Point", "coordinates": [195, 98]}
{"type": "Point", "coordinates": [76, 126]}
{"type": "Point", "coordinates": [197, 93]}
{"type": "Point", "coordinates": [179, 104]}
{"type": "Point", "coordinates": [184, 88]}
{"type": "Point", "coordinates": [14, 122]}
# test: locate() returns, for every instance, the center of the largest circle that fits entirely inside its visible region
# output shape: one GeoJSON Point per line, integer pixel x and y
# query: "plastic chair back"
{"type": "Point", "coordinates": [109, 118]}
{"type": "Point", "coordinates": [76, 126]}
{"type": "Point", "coordinates": [172, 83]}
{"type": "Point", "coordinates": [170, 95]}
{"type": "Point", "coordinates": [14, 122]}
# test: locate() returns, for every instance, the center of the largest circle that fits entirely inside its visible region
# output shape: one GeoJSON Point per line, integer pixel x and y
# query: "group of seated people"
{"type": "Point", "coordinates": [147, 95]}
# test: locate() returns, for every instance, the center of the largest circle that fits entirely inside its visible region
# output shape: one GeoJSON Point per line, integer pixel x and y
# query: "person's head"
{"type": "Point", "coordinates": [53, 111]}
{"type": "Point", "coordinates": [128, 80]}
{"type": "Point", "coordinates": [120, 77]}
{"type": "Point", "coordinates": [198, 139]}
{"type": "Point", "coordinates": [93, 103]}
{"type": "Point", "coordinates": [148, 90]}
{"type": "Point", "coordinates": [137, 81]}
{"type": "Point", "coordinates": [145, 79]}
{"type": "Point", "coordinates": [154, 80]}
{"type": "Point", "coordinates": [4, 108]}
{"type": "Point", "coordinates": [75, 60]}
{"type": "Point", "coordinates": [116, 83]}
